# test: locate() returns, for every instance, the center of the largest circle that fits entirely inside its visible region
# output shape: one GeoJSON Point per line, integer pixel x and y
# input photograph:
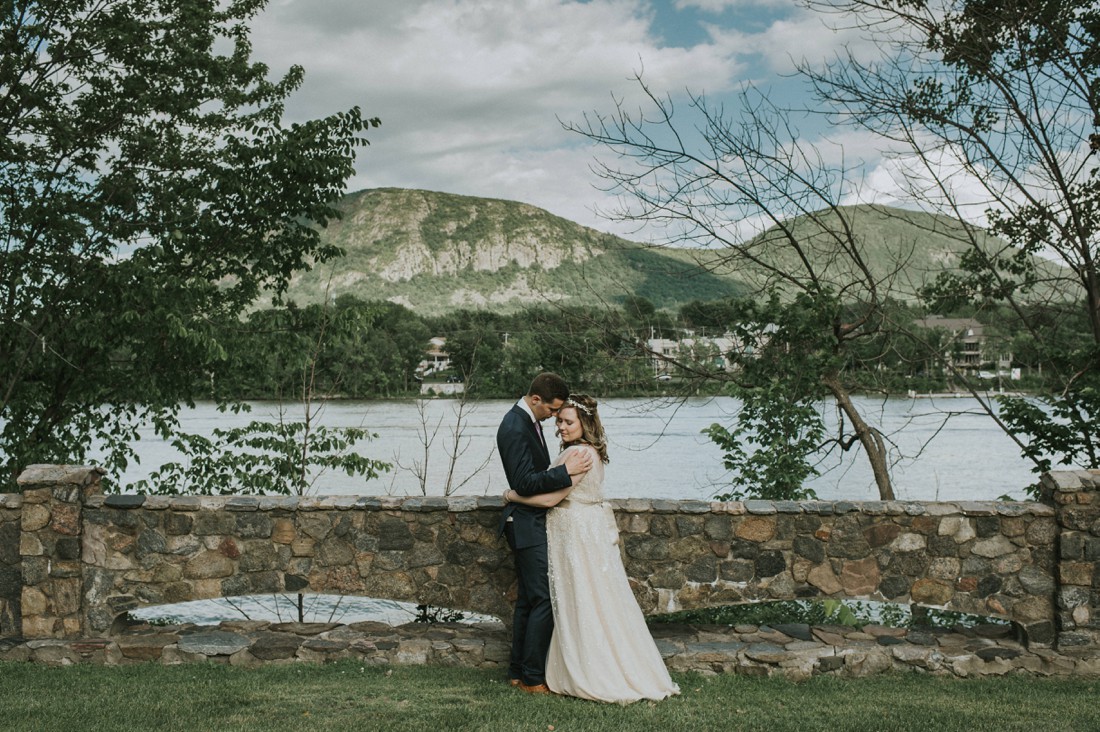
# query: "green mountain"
{"type": "Point", "coordinates": [902, 249]}
{"type": "Point", "coordinates": [438, 252]}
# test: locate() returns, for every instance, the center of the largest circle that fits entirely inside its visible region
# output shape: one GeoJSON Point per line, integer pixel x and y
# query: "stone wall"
{"type": "Point", "coordinates": [991, 559]}
{"type": "Point", "coordinates": [1076, 498]}
{"type": "Point", "coordinates": [86, 559]}
{"type": "Point", "coordinates": [152, 550]}
{"type": "Point", "coordinates": [50, 527]}
{"type": "Point", "coordinates": [984, 558]}
{"type": "Point", "coordinates": [793, 650]}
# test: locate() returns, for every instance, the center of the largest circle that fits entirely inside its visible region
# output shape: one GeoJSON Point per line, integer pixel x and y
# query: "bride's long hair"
{"type": "Point", "coordinates": [591, 427]}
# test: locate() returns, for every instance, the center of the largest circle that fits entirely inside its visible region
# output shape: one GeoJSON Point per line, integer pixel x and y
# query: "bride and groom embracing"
{"type": "Point", "coordinates": [577, 629]}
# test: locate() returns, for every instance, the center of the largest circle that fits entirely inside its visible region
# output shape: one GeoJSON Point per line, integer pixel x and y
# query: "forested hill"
{"type": "Point", "coordinates": [438, 252]}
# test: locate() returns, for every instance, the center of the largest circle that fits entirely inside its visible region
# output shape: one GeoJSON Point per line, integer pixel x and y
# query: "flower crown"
{"type": "Point", "coordinates": [578, 405]}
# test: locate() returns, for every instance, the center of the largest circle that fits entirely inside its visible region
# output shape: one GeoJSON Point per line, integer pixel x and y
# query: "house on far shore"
{"type": "Point", "coordinates": [972, 351]}
{"type": "Point", "coordinates": [709, 352]}
{"type": "Point", "coordinates": [436, 358]}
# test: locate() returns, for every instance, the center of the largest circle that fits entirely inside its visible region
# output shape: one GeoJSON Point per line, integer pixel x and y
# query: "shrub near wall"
{"type": "Point", "coordinates": [11, 566]}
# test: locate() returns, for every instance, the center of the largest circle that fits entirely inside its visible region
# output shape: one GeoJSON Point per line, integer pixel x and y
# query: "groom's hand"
{"type": "Point", "coordinates": [578, 462]}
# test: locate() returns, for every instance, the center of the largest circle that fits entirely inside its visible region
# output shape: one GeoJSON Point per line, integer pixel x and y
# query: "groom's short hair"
{"type": "Point", "coordinates": [549, 387]}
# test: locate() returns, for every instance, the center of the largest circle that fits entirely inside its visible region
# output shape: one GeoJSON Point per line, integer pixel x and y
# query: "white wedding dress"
{"type": "Point", "coordinates": [601, 648]}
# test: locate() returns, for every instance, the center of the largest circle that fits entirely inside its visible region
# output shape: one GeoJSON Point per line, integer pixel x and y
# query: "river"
{"type": "Point", "coordinates": [942, 448]}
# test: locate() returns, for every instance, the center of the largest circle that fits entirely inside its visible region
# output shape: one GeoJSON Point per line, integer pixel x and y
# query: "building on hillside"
{"type": "Point", "coordinates": [972, 351]}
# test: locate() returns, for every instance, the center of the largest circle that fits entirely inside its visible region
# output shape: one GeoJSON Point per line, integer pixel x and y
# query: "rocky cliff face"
{"type": "Point", "coordinates": [406, 233]}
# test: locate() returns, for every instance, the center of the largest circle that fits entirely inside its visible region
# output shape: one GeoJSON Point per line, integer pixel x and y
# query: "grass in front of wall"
{"type": "Point", "coordinates": [350, 696]}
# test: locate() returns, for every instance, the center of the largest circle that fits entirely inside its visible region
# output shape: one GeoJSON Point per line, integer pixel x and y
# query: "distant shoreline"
{"type": "Point", "coordinates": [965, 394]}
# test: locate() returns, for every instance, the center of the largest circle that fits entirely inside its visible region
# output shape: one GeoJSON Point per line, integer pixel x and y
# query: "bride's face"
{"type": "Point", "coordinates": [569, 425]}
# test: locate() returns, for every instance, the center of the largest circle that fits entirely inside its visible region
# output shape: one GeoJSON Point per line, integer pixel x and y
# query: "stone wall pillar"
{"type": "Point", "coordinates": [50, 530]}
{"type": "Point", "coordinates": [1075, 495]}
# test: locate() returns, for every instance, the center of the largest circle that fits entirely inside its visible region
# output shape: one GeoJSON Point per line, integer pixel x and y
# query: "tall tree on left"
{"type": "Point", "coordinates": [148, 188]}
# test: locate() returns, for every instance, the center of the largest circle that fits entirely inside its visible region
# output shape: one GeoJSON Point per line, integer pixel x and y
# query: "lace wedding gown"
{"type": "Point", "coordinates": [601, 648]}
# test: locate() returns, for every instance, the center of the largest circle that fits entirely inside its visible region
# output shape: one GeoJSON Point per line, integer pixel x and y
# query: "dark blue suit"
{"type": "Point", "coordinates": [527, 467]}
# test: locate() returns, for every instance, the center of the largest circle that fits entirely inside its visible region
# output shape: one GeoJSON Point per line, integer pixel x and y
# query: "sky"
{"type": "Point", "coordinates": [472, 94]}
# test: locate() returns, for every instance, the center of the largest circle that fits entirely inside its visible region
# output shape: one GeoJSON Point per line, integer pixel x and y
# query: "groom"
{"type": "Point", "coordinates": [526, 458]}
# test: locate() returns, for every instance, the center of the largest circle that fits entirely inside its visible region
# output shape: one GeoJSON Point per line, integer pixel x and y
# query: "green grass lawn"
{"type": "Point", "coordinates": [348, 696]}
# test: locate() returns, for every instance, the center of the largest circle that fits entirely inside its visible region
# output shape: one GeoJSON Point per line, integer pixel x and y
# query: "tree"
{"type": "Point", "coordinates": [699, 184]}
{"type": "Point", "coordinates": [282, 457]}
{"type": "Point", "coordinates": [638, 308]}
{"type": "Point", "coordinates": [266, 353]}
{"type": "Point", "coordinates": [148, 188]}
{"type": "Point", "coordinates": [475, 342]}
{"type": "Point", "coordinates": [1001, 96]}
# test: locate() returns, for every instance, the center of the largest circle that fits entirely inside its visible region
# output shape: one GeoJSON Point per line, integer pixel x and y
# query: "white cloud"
{"type": "Point", "coordinates": [470, 92]}
{"type": "Point", "coordinates": [786, 42]}
{"type": "Point", "coordinates": [718, 6]}
{"type": "Point", "coordinates": [934, 181]}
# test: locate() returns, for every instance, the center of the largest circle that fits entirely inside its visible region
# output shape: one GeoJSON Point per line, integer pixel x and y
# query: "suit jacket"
{"type": "Point", "coordinates": [527, 467]}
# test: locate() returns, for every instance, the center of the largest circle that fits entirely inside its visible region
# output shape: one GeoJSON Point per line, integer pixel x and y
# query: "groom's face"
{"type": "Point", "coordinates": [542, 410]}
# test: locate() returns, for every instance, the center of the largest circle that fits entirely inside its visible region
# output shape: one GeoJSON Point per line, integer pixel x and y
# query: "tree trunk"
{"type": "Point", "coordinates": [869, 437]}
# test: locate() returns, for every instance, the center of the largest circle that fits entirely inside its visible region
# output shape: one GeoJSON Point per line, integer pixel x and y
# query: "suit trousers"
{"type": "Point", "coordinates": [533, 619]}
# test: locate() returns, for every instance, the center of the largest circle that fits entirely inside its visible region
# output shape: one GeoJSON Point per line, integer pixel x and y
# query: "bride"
{"type": "Point", "coordinates": [601, 648]}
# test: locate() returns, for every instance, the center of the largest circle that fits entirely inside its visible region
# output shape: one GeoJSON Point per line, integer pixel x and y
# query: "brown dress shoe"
{"type": "Point", "coordinates": [536, 689]}
{"type": "Point", "coordinates": [514, 682]}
